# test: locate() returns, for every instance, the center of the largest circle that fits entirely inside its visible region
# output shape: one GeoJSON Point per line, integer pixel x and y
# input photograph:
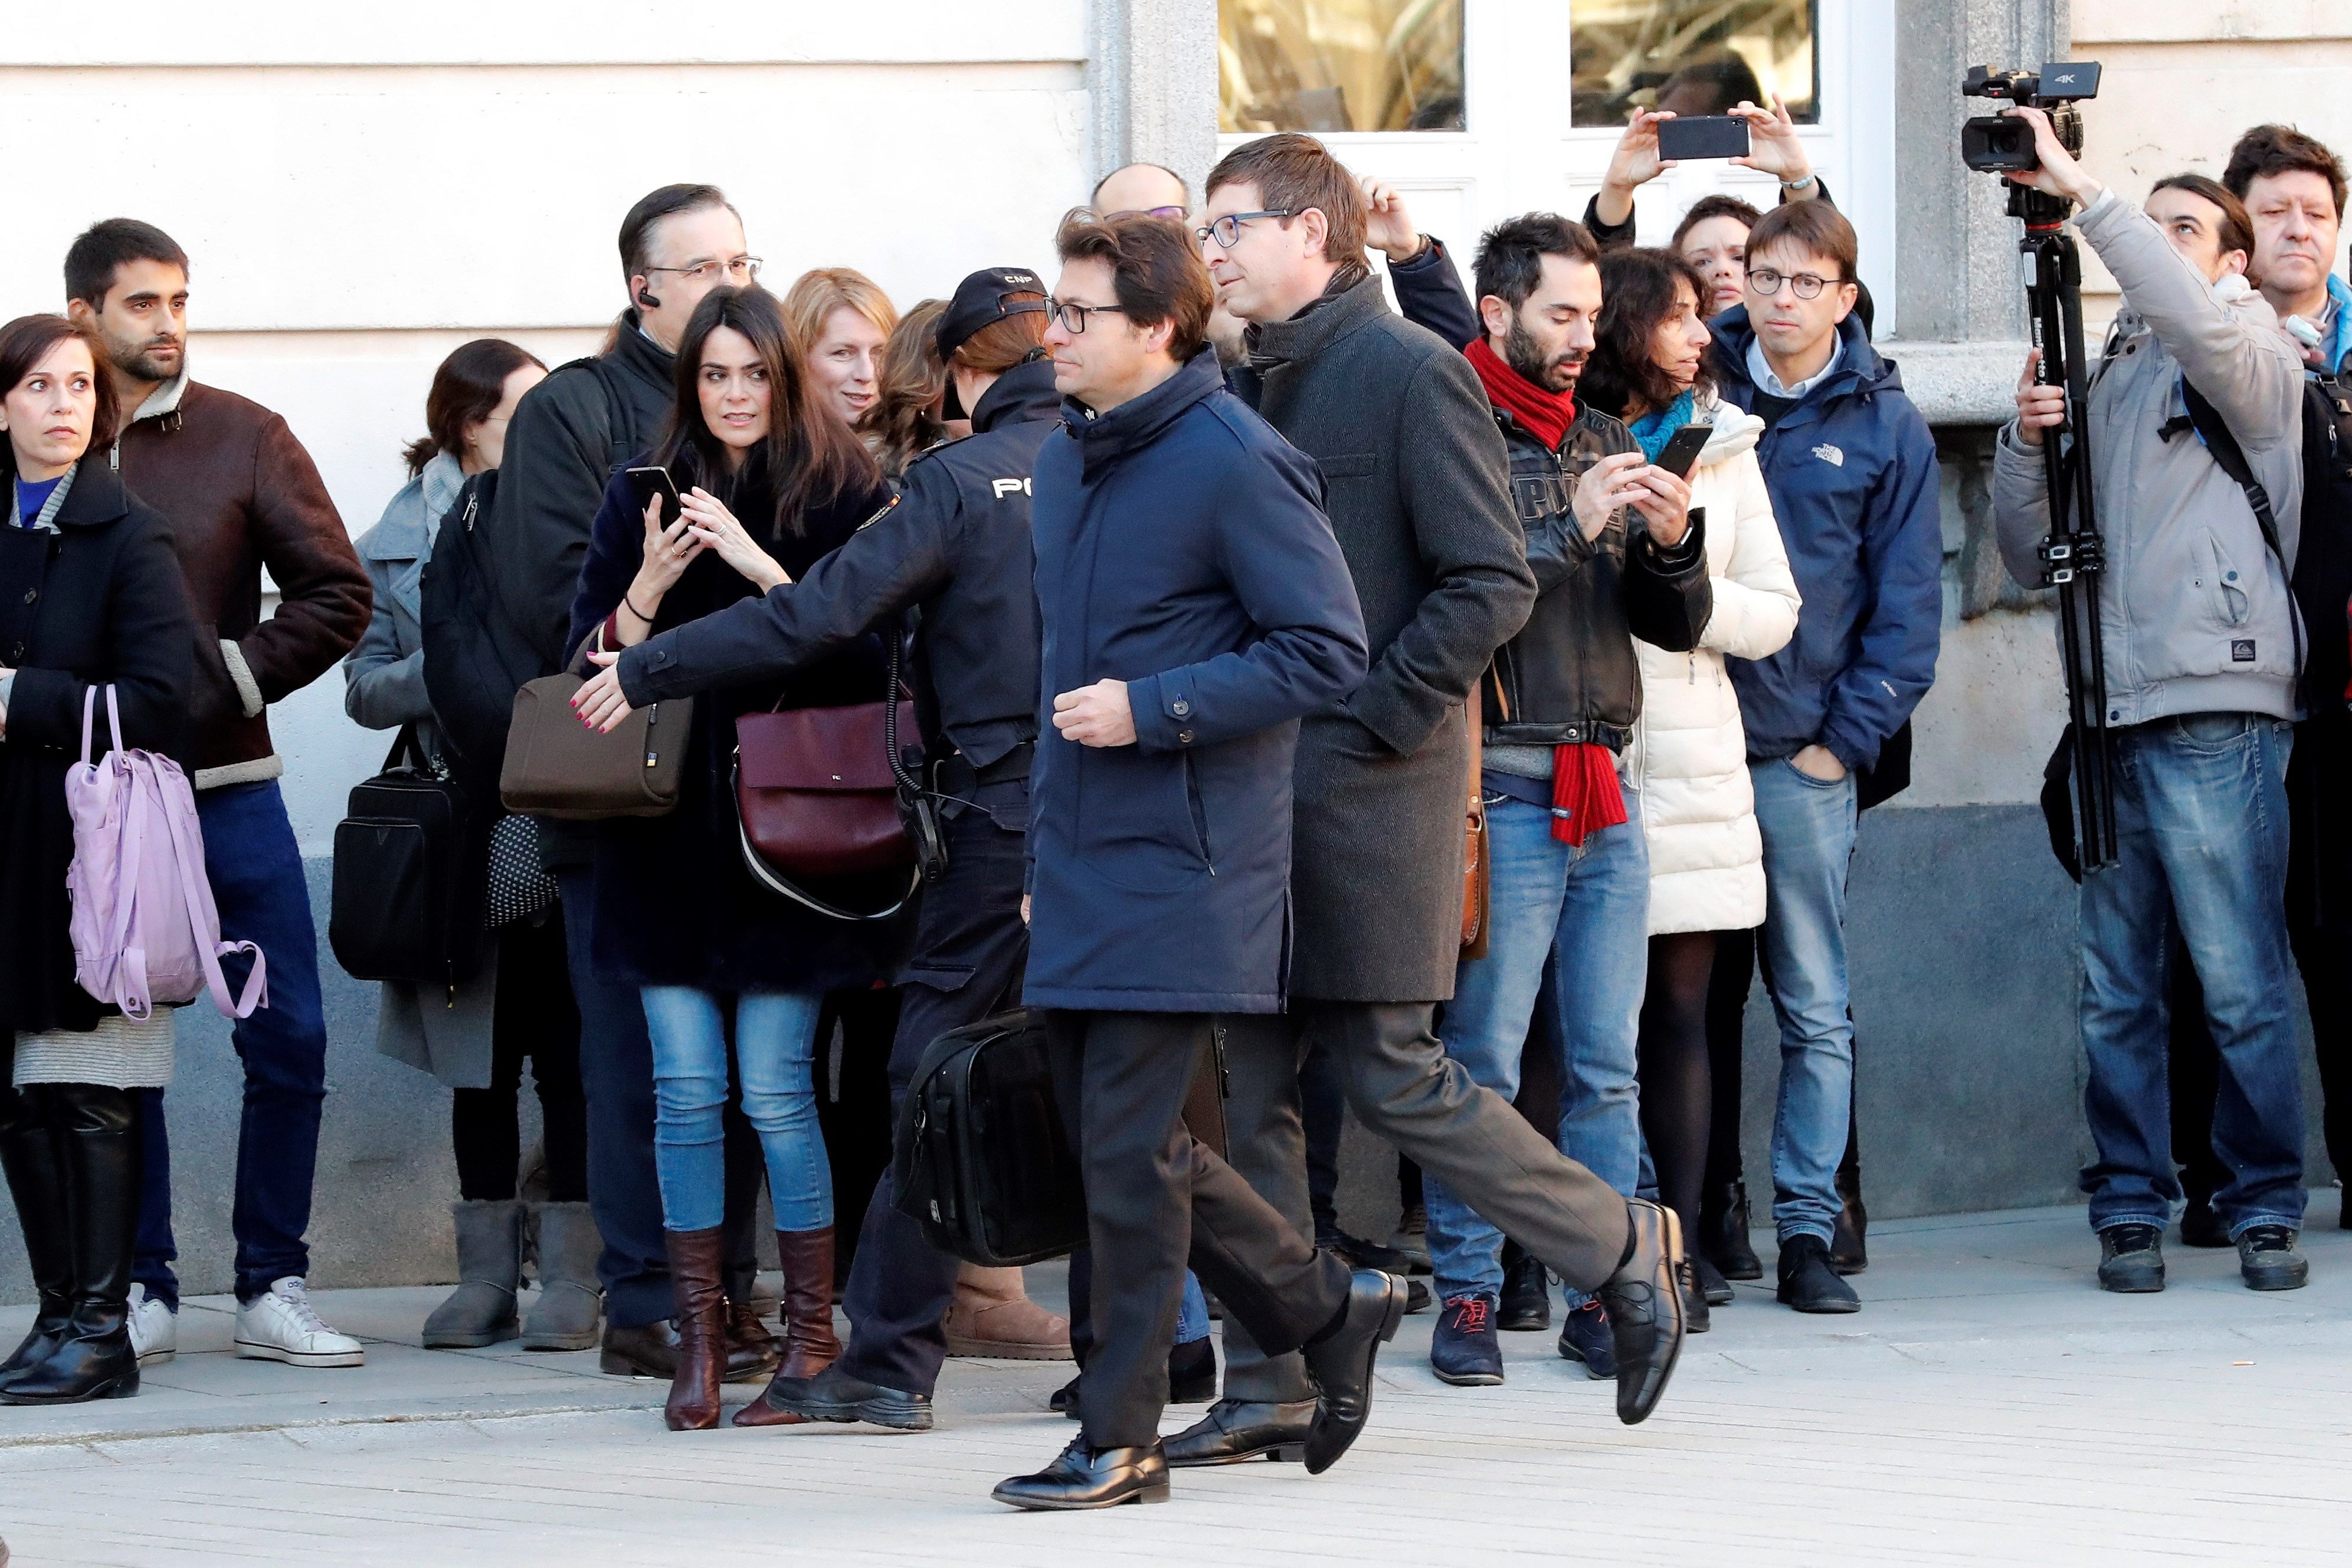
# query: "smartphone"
{"type": "Point", "coordinates": [647, 483]}
{"type": "Point", "coordinates": [1683, 449]}
{"type": "Point", "coordinates": [1703, 136]}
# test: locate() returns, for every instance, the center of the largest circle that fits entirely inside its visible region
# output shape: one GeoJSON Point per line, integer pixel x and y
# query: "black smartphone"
{"type": "Point", "coordinates": [647, 483]}
{"type": "Point", "coordinates": [1703, 136]}
{"type": "Point", "coordinates": [1683, 448]}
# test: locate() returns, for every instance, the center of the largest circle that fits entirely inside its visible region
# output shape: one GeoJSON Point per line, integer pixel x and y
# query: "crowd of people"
{"type": "Point", "coordinates": [1229, 596]}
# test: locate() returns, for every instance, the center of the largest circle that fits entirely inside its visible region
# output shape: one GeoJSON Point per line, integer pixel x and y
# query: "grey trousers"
{"type": "Point", "coordinates": [1406, 1089]}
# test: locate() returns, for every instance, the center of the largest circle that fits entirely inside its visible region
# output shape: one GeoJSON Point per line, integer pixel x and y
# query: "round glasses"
{"type": "Point", "coordinates": [1766, 282]}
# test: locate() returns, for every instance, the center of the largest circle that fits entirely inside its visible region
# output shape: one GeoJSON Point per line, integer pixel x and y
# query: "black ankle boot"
{"type": "Point", "coordinates": [28, 1153]}
{"type": "Point", "coordinates": [1848, 1253]}
{"type": "Point", "coordinates": [98, 1150]}
{"type": "Point", "coordinates": [1723, 1232]}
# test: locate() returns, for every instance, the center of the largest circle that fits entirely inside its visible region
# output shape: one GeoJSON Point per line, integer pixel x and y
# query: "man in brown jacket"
{"type": "Point", "coordinates": [241, 495]}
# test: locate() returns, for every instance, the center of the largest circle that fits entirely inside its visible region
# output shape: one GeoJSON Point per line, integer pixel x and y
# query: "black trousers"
{"type": "Point", "coordinates": [616, 1073]}
{"type": "Point", "coordinates": [533, 1018]}
{"type": "Point", "coordinates": [853, 1104]}
{"type": "Point", "coordinates": [1157, 1198]}
{"type": "Point", "coordinates": [971, 948]}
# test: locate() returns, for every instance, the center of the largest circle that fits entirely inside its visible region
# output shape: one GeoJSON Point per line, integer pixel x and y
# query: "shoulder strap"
{"type": "Point", "coordinates": [2214, 431]}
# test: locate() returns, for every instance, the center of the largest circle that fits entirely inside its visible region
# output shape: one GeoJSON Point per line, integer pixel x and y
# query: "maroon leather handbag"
{"type": "Point", "coordinates": [816, 797]}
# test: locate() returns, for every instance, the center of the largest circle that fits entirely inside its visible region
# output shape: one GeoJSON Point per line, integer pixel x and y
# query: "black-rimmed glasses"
{"type": "Point", "coordinates": [1766, 281]}
{"type": "Point", "coordinates": [1228, 231]}
{"type": "Point", "coordinates": [1073, 316]}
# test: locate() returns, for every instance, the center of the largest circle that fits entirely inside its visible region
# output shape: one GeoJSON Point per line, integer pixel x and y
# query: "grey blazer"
{"type": "Point", "coordinates": [1419, 495]}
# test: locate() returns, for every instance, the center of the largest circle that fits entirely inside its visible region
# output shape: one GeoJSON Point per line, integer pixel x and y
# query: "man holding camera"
{"type": "Point", "coordinates": [2201, 648]}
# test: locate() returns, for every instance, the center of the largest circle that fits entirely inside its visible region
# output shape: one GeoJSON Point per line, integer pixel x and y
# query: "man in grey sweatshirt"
{"type": "Point", "coordinates": [2202, 646]}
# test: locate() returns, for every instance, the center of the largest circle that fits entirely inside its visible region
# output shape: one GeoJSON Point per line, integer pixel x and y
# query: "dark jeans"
{"type": "Point", "coordinates": [616, 1074]}
{"type": "Point", "coordinates": [969, 949]}
{"type": "Point", "coordinates": [534, 1017]}
{"type": "Point", "coordinates": [1155, 1198]}
{"type": "Point", "coordinates": [255, 871]}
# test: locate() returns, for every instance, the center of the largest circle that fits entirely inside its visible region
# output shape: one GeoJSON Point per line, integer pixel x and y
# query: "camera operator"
{"type": "Point", "coordinates": [2200, 644]}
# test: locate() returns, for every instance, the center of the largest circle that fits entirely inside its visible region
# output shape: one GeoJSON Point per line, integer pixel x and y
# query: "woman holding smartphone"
{"type": "Point", "coordinates": [768, 481]}
{"type": "Point", "coordinates": [1689, 756]}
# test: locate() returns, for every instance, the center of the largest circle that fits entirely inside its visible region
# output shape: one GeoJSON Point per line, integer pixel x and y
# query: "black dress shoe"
{"type": "Point", "coordinates": [1238, 1429]}
{"type": "Point", "coordinates": [1192, 1372]}
{"type": "Point", "coordinates": [1090, 1478]}
{"type": "Point", "coordinates": [1712, 1285]}
{"type": "Point", "coordinates": [1695, 1319]}
{"type": "Point", "coordinates": [650, 1350]}
{"type": "Point", "coordinates": [1526, 1303]}
{"type": "Point", "coordinates": [1723, 1232]}
{"type": "Point", "coordinates": [2200, 1224]}
{"type": "Point", "coordinates": [1360, 1253]}
{"type": "Point", "coordinates": [1645, 1302]}
{"type": "Point", "coordinates": [1341, 1362]}
{"type": "Point", "coordinates": [1807, 1282]}
{"type": "Point", "coordinates": [833, 1395]}
{"type": "Point", "coordinates": [1066, 1399]}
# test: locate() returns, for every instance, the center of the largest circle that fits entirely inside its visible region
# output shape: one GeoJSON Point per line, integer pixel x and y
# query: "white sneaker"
{"type": "Point", "coordinates": [154, 1329]}
{"type": "Point", "coordinates": [284, 1326]}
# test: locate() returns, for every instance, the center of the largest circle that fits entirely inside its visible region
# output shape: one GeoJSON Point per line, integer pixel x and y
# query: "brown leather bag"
{"type": "Point", "coordinates": [1475, 871]}
{"type": "Point", "coordinates": [557, 766]}
{"type": "Point", "coordinates": [816, 797]}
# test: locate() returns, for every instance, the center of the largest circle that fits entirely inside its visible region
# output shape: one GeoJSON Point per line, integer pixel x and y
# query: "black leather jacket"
{"type": "Point", "coordinates": [1569, 676]}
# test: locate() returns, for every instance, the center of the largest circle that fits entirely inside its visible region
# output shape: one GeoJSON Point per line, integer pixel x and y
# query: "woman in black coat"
{"type": "Point", "coordinates": [771, 483]}
{"type": "Point", "coordinates": [90, 595]}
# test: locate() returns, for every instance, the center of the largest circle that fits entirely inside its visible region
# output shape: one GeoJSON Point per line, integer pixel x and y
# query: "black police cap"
{"type": "Point", "coordinates": [980, 302]}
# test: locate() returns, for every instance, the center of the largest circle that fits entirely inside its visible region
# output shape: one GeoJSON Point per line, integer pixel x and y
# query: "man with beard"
{"type": "Point", "coordinates": [1616, 556]}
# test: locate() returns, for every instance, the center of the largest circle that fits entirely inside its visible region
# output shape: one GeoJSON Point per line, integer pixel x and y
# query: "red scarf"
{"type": "Point", "coordinates": [1585, 794]}
{"type": "Point", "coordinates": [1546, 414]}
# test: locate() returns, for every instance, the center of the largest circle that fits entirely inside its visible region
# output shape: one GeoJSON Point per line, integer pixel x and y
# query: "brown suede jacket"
{"type": "Point", "coordinates": [241, 495]}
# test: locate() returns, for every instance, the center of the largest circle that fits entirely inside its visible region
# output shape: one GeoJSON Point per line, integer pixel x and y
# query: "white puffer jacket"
{"type": "Point", "coordinates": [1689, 754]}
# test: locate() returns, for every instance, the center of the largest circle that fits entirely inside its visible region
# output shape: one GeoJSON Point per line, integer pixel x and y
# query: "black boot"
{"type": "Point", "coordinates": [28, 1152]}
{"type": "Point", "coordinates": [1527, 1291]}
{"type": "Point", "coordinates": [1848, 1255]}
{"type": "Point", "coordinates": [99, 1148]}
{"type": "Point", "coordinates": [1723, 1232]}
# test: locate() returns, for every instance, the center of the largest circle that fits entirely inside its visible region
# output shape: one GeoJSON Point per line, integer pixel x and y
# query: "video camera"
{"type": "Point", "coordinates": [1997, 143]}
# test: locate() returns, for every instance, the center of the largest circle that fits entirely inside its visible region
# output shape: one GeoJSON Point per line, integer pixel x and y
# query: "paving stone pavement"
{"type": "Point", "coordinates": [1989, 1404]}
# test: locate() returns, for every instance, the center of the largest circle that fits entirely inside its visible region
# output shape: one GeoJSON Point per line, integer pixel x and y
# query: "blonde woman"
{"type": "Point", "coordinates": [841, 321]}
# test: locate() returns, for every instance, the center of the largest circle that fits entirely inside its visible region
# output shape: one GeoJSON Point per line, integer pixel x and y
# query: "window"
{"type": "Point", "coordinates": [1339, 65]}
{"type": "Point", "coordinates": [1694, 57]}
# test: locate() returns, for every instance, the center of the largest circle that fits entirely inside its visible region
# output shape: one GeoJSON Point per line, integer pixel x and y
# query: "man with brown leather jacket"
{"type": "Point", "coordinates": [241, 495]}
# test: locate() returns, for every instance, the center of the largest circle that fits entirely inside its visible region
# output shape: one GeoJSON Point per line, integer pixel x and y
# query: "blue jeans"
{"type": "Point", "coordinates": [255, 871]}
{"type": "Point", "coordinates": [1808, 827]}
{"type": "Point", "coordinates": [1192, 1317]}
{"type": "Point", "coordinates": [775, 1050]}
{"type": "Point", "coordinates": [2202, 828]}
{"type": "Point", "coordinates": [1589, 907]}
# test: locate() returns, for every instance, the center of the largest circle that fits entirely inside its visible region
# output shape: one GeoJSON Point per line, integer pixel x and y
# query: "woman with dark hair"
{"type": "Point", "coordinates": [1689, 754]}
{"type": "Point", "coordinates": [90, 596]}
{"type": "Point", "coordinates": [905, 419]}
{"type": "Point", "coordinates": [1713, 238]}
{"type": "Point", "coordinates": [771, 481]}
{"type": "Point", "coordinates": [477, 1037]}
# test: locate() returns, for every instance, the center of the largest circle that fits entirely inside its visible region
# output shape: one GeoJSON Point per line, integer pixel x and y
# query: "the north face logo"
{"type": "Point", "coordinates": [1829, 453]}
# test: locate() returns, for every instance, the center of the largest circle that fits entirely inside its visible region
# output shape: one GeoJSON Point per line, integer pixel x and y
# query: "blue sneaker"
{"type": "Point", "coordinates": [1464, 1350]}
{"type": "Point", "coordinates": [1586, 1337]}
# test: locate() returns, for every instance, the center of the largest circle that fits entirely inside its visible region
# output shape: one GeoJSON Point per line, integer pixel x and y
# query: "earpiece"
{"type": "Point", "coordinates": [648, 299]}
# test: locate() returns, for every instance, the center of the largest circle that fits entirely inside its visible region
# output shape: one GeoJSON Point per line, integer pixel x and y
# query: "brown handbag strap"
{"type": "Point", "coordinates": [1477, 728]}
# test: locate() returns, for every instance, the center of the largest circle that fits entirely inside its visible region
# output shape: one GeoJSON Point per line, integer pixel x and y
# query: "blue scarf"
{"type": "Point", "coordinates": [1654, 429]}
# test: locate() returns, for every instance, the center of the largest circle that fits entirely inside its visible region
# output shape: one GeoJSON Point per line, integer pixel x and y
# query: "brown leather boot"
{"type": "Point", "coordinates": [810, 1343]}
{"type": "Point", "coordinates": [694, 1266]}
{"type": "Point", "coordinates": [992, 1315]}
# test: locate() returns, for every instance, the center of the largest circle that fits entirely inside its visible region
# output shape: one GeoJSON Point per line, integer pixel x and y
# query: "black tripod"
{"type": "Point", "coordinates": [2073, 556]}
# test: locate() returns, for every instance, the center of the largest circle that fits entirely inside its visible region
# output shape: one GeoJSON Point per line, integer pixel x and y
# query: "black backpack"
{"type": "Point", "coordinates": [411, 867]}
{"type": "Point", "coordinates": [981, 1161]}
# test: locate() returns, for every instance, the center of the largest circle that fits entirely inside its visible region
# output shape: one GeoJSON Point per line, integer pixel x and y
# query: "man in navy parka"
{"type": "Point", "coordinates": [1194, 606]}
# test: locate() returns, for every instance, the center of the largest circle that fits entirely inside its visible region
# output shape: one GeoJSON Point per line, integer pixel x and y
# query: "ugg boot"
{"type": "Point", "coordinates": [992, 1315]}
{"type": "Point", "coordinates": [569, 1312]}
{"type": "Point", "coordinates": [481, 1310]}
{"type": "Point", "coordinates": [694, 1266]}
{"type": "Point", "coordinates": [98, 1144]}
{"type": "Point", "coordinates": [28, 1152]}
{"type": "Point", "coordinates": [810, 1343]}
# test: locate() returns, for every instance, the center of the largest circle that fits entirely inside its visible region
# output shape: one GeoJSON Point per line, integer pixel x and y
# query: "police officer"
{"type": "Point", "coordinates": [957, 546]}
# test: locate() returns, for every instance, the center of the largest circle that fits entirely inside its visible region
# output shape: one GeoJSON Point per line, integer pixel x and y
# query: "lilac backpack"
{"type": "Point", "coordinates": [144, 928]}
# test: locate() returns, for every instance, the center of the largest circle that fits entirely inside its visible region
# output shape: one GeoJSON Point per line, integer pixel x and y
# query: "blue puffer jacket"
{"type": "Point", "coordinates": [1181, 547]}
{"type": "Point", "coordinates": [1853, 476]}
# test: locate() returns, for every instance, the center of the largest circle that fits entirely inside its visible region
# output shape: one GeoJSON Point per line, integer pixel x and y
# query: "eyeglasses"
{"type": "Point", "coordinates": [1228, 231]}
{"type": "Point", "coordinates": [1766, 282]}
{"type": "Point", "coordinates": [1073, 316]}
{"type": "Point", "coordinates": [742, 269]}
{"type": "Point", "coordinates": [1173, 213]}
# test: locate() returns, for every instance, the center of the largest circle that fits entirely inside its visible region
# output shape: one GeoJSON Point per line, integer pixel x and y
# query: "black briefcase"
{"type": "Point", "coordinates": [412, 864]}
{"type": "Point", "coordinates": [981, 1161]}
